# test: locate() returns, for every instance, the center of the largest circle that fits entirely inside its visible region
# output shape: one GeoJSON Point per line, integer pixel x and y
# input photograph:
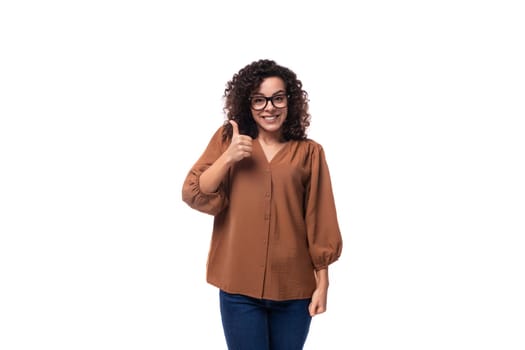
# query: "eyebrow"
{"type": "Point", "coordinates": [280, 92]}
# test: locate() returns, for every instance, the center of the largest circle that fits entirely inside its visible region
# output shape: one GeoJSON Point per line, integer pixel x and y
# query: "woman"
{"type": "Point", "coordinates": [275, 228]}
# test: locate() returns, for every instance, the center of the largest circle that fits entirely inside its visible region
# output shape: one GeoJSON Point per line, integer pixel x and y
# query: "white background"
{"type": "Point", "coordinates": [105, 105]}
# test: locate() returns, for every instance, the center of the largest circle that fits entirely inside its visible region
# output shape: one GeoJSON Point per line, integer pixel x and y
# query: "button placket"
{"type": "Point", "coordinates": [267, 190]}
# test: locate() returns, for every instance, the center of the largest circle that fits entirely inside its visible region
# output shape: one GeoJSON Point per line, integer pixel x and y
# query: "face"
{"type": "Point", "coordinates": [270, 118]}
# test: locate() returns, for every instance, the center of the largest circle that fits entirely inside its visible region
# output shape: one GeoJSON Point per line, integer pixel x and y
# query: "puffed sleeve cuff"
{"type": "Point", "coordinates": [209, 203]}
{"type": "Point", "coordinates": [323, 258]}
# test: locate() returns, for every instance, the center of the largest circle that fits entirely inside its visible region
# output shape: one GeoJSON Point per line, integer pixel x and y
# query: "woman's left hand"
{"type": "Point", "coordinates": [318, 304]}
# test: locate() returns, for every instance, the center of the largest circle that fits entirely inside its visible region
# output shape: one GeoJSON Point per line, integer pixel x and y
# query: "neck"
{"type": "Point", "coordinates": [270, 138]}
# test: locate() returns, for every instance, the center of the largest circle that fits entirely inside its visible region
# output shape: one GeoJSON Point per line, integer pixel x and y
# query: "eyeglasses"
{"type": "Point", "coordinates": [259, 103]}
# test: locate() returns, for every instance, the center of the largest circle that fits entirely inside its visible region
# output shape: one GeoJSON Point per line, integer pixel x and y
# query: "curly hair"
{"type": "Point", "coordinates": [245, 82]}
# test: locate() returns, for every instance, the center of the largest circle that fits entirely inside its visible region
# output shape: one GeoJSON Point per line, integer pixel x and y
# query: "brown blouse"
{"type": "Point", "coordinates": [275, 222]}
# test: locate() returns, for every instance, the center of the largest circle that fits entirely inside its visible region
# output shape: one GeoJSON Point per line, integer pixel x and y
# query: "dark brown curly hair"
{"type": "Point", "coordinates": [245, 82]}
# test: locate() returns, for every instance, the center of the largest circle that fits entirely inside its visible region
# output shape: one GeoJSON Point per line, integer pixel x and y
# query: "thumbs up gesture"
{"type": "Point", "coordinates": [240, 146]}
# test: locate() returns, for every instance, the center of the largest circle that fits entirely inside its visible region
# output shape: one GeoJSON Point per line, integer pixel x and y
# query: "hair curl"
{"type": "Point", "coordinates": [245, 82]}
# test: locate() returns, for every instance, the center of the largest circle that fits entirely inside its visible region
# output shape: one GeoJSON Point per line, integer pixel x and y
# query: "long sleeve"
{"type": "Point", "coordinates": [324, 237]}
{"type": "Point", "coordinates": [210, 203]}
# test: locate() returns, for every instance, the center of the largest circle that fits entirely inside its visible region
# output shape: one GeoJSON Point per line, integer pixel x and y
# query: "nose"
{"type": "Point", "coordinates": [269, 105]}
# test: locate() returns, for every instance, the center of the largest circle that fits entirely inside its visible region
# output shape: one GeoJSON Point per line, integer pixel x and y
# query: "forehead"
{"type": "Point", "coordinates": [271, 85]}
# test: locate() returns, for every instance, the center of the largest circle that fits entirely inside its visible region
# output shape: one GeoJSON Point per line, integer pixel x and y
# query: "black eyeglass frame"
{"type": "Point", "coordinates": [268, 99]}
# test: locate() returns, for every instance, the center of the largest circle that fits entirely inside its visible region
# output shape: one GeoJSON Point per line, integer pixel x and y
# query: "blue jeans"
{"type": "Point", "coordinates": [260, 324]}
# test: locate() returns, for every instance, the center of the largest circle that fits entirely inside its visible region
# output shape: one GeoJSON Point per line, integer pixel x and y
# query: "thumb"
{"type": "Point", "coordinates": [235, 127]}
{"type": "Point", "coordinates": [312, 309]}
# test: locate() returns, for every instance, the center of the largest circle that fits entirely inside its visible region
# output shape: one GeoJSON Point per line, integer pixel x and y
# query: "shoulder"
{"type": "Point", "coordinates": [310, 151]}
{"type": "Point", "coordinates": [217, 135]}
{"type": "Point", "coordinates": [310, 146]}
{"type": "Point", "coordinates": [216, 141]}
{"type": "Point", "coordinates": [218, 131]}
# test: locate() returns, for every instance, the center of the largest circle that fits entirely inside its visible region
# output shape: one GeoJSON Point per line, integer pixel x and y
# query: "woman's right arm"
{"type": "Point", "coordinates": [202, 189]}
{"type": "Point", "coordinates": [212, 177]}
{"type": "Point", "coordinates": [239, 148]}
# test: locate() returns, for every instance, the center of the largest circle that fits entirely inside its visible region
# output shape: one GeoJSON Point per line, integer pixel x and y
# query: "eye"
{"type": "Point", "coordinates": [279, 98]}
{"type": "Point", "coordinates": [258, 100]}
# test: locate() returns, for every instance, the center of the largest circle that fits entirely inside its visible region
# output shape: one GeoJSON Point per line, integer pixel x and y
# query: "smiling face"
{"type": "Point", "coordinates": [269, 119]}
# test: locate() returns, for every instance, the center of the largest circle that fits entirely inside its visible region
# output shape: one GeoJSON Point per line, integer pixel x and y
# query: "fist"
{"type": "Point", "coordinates": [240, 146]}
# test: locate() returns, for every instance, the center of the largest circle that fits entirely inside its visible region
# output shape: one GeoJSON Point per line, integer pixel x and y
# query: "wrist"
{"type": "Point", "coordinates": [322, 286]}
{"type": "Point", "coordinates": [321, 278]}
{"type": "Point", "coordinates": [227, 160]}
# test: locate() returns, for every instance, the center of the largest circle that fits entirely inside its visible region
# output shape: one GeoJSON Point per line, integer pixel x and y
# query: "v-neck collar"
{"type": "Point", "coordinates": [276, 155]}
